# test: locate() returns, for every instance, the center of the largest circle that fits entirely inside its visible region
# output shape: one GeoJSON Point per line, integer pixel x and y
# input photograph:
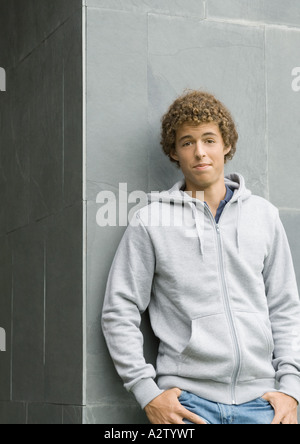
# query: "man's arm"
{"type": "Point", "coordinates": [284, 308]}
{"type": "Point", "coordinates": [128, 294]}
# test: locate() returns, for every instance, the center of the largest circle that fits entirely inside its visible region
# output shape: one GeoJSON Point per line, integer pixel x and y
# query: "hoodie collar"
{"type": "Point", "coordinates": [176, 194]}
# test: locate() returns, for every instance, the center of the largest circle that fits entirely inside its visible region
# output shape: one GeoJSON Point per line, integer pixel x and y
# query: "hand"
{"type": "Point", "coordinates": [166, 409]}
{"type": "Point", "coordinates": [285, 407]}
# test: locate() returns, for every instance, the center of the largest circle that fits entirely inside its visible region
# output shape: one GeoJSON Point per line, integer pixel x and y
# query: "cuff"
{"type": "Point", "coordinates": [145, 391]}
{"type": "Point", "coordinates": [290, 385]}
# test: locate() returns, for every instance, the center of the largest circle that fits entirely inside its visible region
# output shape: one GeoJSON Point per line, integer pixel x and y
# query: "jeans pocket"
{"type": "Point", "coordinates": [264, 401]}
{"type": "Point", "coordinates": [193, 404]}
{"type": "Point", "coordinates": [181, 397]}
{"type": "Point", "coordinates": [188, 422]}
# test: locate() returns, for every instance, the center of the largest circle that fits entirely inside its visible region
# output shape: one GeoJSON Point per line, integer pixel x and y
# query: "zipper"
{"type": "Point", "coordinates": [227, 305]}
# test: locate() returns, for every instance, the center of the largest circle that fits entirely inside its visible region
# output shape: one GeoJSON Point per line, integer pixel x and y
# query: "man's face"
{"type": "Point", "coordinates": [200, 150]}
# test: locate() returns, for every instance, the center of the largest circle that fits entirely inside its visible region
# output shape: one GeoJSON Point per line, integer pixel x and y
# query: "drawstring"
{"type": "Point", "coordinates": [238, 224]}
{"type": "Point", "coordinates": [198, 227]}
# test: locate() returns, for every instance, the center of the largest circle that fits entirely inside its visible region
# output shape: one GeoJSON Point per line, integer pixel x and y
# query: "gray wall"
{"type": "Point", "coordinates": [140, 56]}
{"type": "Point", "coordinates": [60, 147]}
{"type": "Point", "coordinates": [41, 211]}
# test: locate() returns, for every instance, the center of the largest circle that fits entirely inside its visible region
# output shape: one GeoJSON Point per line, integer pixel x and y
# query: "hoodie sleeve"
{"type": "Point", "coordinates": [284, 309]}
{"type": "Point", "coordinates": [127, 296]}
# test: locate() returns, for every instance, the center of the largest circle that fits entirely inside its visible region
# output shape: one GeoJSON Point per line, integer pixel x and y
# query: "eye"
{"type": "Point", "coordinates": [187, 144]}
{"type": "Point", "coordinates": [209, 141]}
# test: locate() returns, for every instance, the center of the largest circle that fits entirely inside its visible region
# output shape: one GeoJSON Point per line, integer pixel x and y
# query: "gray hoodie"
{"type": "Point", "coordinates": [222, 299]}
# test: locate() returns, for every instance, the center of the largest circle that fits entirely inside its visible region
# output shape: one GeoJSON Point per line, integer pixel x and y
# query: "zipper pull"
{"type": "Point", "coordinates": [218, 228]}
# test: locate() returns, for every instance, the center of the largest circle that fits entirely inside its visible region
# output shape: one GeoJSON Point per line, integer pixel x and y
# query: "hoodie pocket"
{"type": "Point", "coordinates": [209, 353]}
{"type": "Point", "coordinates": [256, 346]}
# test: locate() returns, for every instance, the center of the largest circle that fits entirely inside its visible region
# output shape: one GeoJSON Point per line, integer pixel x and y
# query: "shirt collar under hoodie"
{"type": "Point", "coordinates": [176, 196]}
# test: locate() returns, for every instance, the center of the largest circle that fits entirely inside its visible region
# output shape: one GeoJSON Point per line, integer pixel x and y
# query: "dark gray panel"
{"type": "Point", "coordinates": [72, 111]}
{"type": "Point", "coordinates": [46, 138]}
{"type": "Point", "coordinates": [44, 414]}
{"type": "Point", "coordinates": [40, 173]}
{"type": "Point", "coordinates": [15, 150]}
{"type": "Point", "coordinates": [35, 22]}
{"type": "Point", "coordinates": [28, 314]}
{"type": "Point", "coordinates": [114, 414]}
{"type": "Point", "coordinates": [5, 315]}
{"type": "Point", "coordinates": [64, 308]}
{"type": "Point", "coordinates": [72, 414]}
{"type": "Point", "coordinates": [7, 34]}
{"type": "Point", "coordinates": [12, 413]}
{"type": "Point", "coordinates": [6, 155]}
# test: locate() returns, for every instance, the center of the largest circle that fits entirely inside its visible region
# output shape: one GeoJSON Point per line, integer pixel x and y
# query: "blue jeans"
{"type": "Point", "coordinates": [258, 411]}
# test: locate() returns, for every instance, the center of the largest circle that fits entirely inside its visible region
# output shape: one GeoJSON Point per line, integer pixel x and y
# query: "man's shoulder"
{"type": "Point", "coordinates": [147, 212]}
{"type": "Point", "coordinates": [263, 205]}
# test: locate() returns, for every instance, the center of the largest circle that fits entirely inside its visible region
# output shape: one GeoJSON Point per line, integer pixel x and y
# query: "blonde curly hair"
{"type": "Point", "coordinates": [197, 107]}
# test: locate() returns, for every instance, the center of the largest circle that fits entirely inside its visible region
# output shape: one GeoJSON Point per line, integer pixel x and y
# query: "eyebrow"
{"type": "Point", "coordinates": [209, 134]}
{"type": "Point", "coordinates": [191, 137]}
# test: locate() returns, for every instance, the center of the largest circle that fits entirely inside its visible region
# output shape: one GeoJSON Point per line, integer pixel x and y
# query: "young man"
{"type": "Point", "coordinates": [221, 291]}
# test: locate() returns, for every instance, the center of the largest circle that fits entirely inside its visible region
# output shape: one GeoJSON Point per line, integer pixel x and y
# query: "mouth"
{"type": "Point", "coordinates": [202, 166]}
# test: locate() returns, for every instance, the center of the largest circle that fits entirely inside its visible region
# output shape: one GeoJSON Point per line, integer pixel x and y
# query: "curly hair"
{"type": "Point", "coordinates": [197, 107]}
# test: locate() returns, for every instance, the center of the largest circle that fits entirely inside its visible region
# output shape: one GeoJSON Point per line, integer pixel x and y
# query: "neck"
{"type": "Point", "coordinates": [213, 194]}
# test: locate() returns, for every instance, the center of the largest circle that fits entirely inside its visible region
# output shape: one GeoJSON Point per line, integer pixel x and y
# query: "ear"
{"type": "Point", "coordinates": [174, 155]}
{"type": "Point", "coordinates": [227, 150]}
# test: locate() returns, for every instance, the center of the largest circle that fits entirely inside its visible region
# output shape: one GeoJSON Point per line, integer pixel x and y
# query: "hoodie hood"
{"type": "Point", "coordinates": [176, 195]}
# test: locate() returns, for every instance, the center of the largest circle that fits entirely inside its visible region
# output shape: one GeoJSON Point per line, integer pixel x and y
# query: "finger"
{"type": "Point", "coordinates": [192, 417]}
{"type": "Point", "coordinates": [177, 391]}
{"type": "Point", "coordinates": [277, 420]}
{"type": "Point", "coordinates": [290, 419]}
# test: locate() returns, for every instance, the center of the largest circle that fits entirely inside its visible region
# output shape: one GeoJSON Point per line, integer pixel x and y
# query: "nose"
{"type": "Point", "coordinates": [200, 151]}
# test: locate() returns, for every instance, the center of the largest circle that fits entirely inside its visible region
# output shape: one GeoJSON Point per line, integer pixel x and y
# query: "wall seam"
{"type": "Point", "coordinates": [292, 210]}
{"type": "Point", "coordinates": [252, 23]}
{"type": "Point", "coordinates": [267, 113]}
{"type": "Point", "coordinates": [143, 12]}
{"type": "Point", "coordinates": [147, 81]}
